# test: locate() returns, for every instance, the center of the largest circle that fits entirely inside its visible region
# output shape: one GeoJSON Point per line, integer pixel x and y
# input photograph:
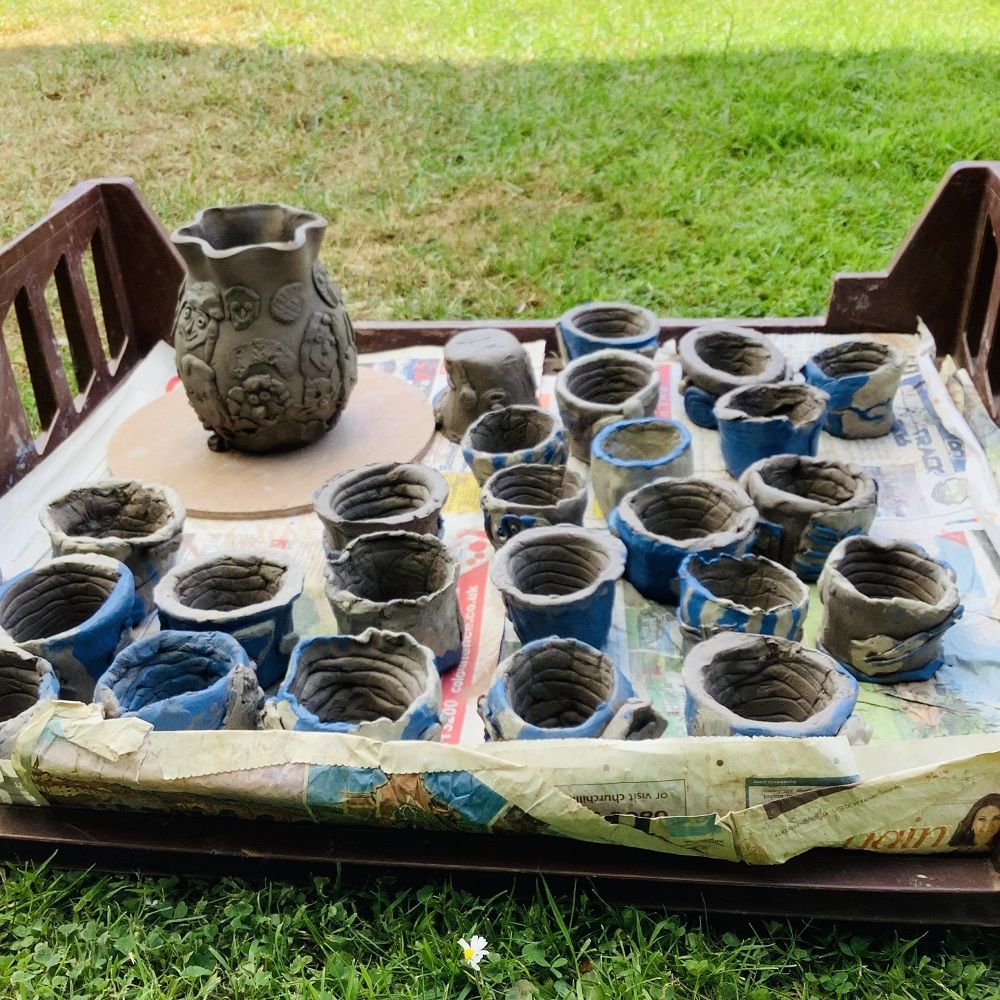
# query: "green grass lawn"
{"type": "Point", "coordinates": [497, 159]}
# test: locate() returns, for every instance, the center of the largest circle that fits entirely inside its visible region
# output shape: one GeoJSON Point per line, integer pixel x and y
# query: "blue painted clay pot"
{"type": "Point", "coordinates": [248, 595]}
{"type": "Point", "coordinates": [719, 357]}
{"type": "Point", "coordinates": [666, 520]}
{"type": "Point", "coordinates": [381, 685]}
{"type": "Point", "coordinates": [807, 505]}
{"type": "Point", "coordinates": [761, 685]}
{"type": "Point", "coordinates": [747, 593]}
{"type": "Point", "coordinates": [599, 388]}
{"type": "Point", "coordinates": [782, 418]}
{"type": "Point", "coordinates": [555, 689]}
{"type": "Point", "coordinates": [139, 524]}
{"type": "Point", "coordinates": [182, 681]}
{"type": "Point", "coordinates": [25, 680]}
{"type": "Point", "coordinates": [861, 378]}
{"type": "Point", "coordinates": [74, 611]}
{"type": "Point", "coordinates": [401, 582]}
{"type": "Point", "coordinates": [886, 608]}
{"type": "Point", "coordinates": [560, 581]}
{"type": "Point", "coordinates": [530, 496]}
{"type": "Point", "coordinates": [513, 435]}
{"type": "Point", "coordinates": [599, 325]}
{"type": "Point", "coordinates": [628, 454]}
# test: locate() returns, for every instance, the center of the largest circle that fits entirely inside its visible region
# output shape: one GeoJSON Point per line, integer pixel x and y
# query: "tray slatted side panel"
{"type": "Point", "coordinates": [84, 295]}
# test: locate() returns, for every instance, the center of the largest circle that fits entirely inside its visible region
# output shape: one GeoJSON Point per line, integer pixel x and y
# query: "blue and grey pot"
{"type": "Point", "coordinates": [599, 325]}
{"type": "Point", "coordinates": [762, 685]}
{"type": "Point", "coordinates": [782, 418]}
{"type": "Point", "coordinates": [513, 435]}
{"type": "Point", "coordinates": [530, 496]}
{"type": "Point", "coordinates": [747, 593]}
{"type": "Point", "coordinates": [861, 378]}
{"type": "Point", "coordinates": [628, 454]}
{"type": "Point", "coordinates": [719, 357]}
{"type": "Point", "coordinates": [381, 685]}
{"type": "Point", "coordinates": [248, 595]}
{"type": "Point", "coordinates": [74, 611]}
{"type": "Point", "coordinates": [182, 681]}
{"type": "Point", "coordinates": [560, 581]}
{"type": "Point", "coordinates": [557, 688]}
{"type": "Point", "coordinates": [663, 522]}
{"type": "Point", "coordinates": [25, 680]}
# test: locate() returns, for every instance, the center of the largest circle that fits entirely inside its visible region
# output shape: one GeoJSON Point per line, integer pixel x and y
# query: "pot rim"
{"type": "Point", "coordinates": [566, 395]}
{"type": "Point", "coordinates": [488, 500]}
{"type": "Point", "coordinates": [555, 433]}
{"type": "Point", "coordinates": [687, 579]}
{"type": "Point", "coordinates": [292, 581]}
{"type": "Point", "coordinates": [699, 371]}
{"type": "Point", "coordinates": [727, 406]}
{"type": "Point", "coordinates": [599, 452]}
{"type": "Point", "coordinates": [865, 488]}
{"type": "Point", "coordinates": [612, 546]}
{"type": "Point", "coordinates": [183, 237]}
{"type": "Point", "coordinates": [894, 360]}
{"type": "Point", "coordinates": [570, 318]}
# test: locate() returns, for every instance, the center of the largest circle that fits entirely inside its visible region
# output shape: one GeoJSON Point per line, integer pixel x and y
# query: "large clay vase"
{"type": "Point", "coordinates": [265, 348]}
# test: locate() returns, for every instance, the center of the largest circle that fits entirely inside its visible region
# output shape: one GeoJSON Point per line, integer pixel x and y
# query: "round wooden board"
{"type": "Point", "coordinates": [386, 420]}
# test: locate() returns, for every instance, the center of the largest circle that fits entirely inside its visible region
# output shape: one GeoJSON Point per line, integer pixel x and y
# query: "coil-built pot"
{"type": "Point", "coordinates": [745, 593]}
{"type": "Point", "coordinates": [562, 688]}
{"type": "Point", "coordinates": [391, 496]}
{"type": "Point", "coordinates": [139, 524]}
{"type": "Point", "coordinates": [25, 680]}
{"type": "Point", "coordinates": [596, 326]}
{"type": "Point", "coordinates": [530, 496]}
{"type": "Point", "coordinates": [886, 607]}
{"type": "Point", "coordinates": [182, 681]}
{"type": "Point", "coordinates": [74, 611]}
{"type": "Point", "coordinates": [381, 685]}
{"type": "Point", "coordinates": [763, 685]}
{"type": "Point", "coordinates": [601, 387]}
{"type": "Point", "coordinates": [666, 520]}
{"type": "Point", "coordinates": [513, 435]}
{"type": "Point", "coordinates": [248, 595]}
{"type": "Point", "coordinates": [560, 581]}
{"type": "Point", "coordinates": [719, 357]}
{"type": "Point", "coordinates": [781, 418]}
{"type": "Point", "coordinates": [807, 505]}
{"type": "Point", "coordinates": [399, 582]}
{"type": "Point", "coordinates": [861, 378]}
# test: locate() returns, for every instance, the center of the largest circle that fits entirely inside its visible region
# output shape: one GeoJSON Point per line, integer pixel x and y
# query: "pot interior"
{"type": "Point", "coordinates": [121, 510]}
{"type": "Point", "coordinates": [607, 381]}
{"type": "Point", "coordinates": [167, 669]}
{"type": "Point", "coordinates": [341, 679]}
{"type": "Point", "coordinates": [386, 491]}
{"type": "Point", "coordinates": [799, 403]}
{"type": "Point", "coordinates": [611, 322]}
{"type": "Point", "coordinates": [510, 429]}
{"type": "Point", "coordinates": [55, 598]}
{"type": "Point", "coordinates": [733, 353]}
{"type": "Point", "coordinates": [559, 685]}
{"type": "Point", "coordinates": [556, 564]}
{"type": "Point", "coordinates": [393, 567]}
{"type": "Point", "coordinates": [879, 572]}
{"type": "Point", "coordinates": [821, 482]}
{"type": "Point", "coordinates": [682, 510]}
{"type": "Point", "coordinates": [644, 441]}
{"type": "Point", "coordinates": [226, 228]}
{"type": "Point", "coordinates": [229, 583]}
{"type": "Point", "coordinates": [535, 485]}
{"type": "Point", "coordinates": [856, 357]}
{"type": "Point", "coordinates": [18, 684]}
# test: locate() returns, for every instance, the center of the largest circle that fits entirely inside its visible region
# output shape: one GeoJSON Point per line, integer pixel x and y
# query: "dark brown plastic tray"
{"type": "Point", "coordinates": [946, 273]}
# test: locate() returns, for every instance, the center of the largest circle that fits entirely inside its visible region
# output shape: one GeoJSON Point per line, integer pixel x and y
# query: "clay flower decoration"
{"type": "Point", "coordinates": [473, 951]}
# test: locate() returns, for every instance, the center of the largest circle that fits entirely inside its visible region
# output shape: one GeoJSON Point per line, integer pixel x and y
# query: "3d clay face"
{"type": "Point", "coordinates": [198, 319]}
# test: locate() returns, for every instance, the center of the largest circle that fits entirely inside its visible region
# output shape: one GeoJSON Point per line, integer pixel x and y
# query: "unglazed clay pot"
{"type": "Point", "coordinates": [861, 378]}
{"type": "Point", "coordinates": [487, 369]}
{"type": "Point", "coordinates": [762, 685]}
{"type": "Point", "coordinates": [807, 505]}
{"type": "Point", "coordinates": [781, 418]}
{"type": "Point", "coordinates": [513, 435]}
{"type": "Point", "coordinates": [747, 593]}
{"type": "Point", "coordinates": [25, 680]}
{"type": "Point", "coordinates": [666, 520]}
{"type": "Point", "coordinates": [530, 496]}
{"type": "Point", "coordinates": [599, 325]}
{"type": "Point", "coordinates": [393, 496]}
{"type": "Point", "coordinates": [248, 595]}
{"type": "Point", "coordinates": [264, 345]}
{"type": "Point", "coordinates": [138, 523]}
{"type": "Point", "coordinates": [886, 606]}
{"type": "Point", "coordinates": [182, 681]}
{"type": "Point", "coordinates": [400, 582]}
{"type": "Point", "coordinates": [74, 611]}
{"type": "Point", "coordinates": [381, 685]}
{"type": "Point", "coordinates": [563, 688]}
{"type": "Point", "coordinates": [601, 387]}
{"type": "Point", "coordinates": [560, 581]}
{"type": "Point", "coordinates": [628, 454]}
{"type": "Point", "coordinates": [719, 357]}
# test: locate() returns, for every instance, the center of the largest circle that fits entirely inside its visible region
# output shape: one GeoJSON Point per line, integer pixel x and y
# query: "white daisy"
{"type": "Point", "coordinates": [473, 951]}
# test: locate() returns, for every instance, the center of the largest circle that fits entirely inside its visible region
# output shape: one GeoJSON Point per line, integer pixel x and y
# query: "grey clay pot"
{"type": "Point", "coordinates": [392, 496]}
{"type": "Point", "coordinates": [487, 369]}
{"type": "Point", "coordinates": [602, 387]}
{"type": "Point", "coordinates": [530, 496]}
{"type": "Point", "coordinates": [265, 348]}
{"type": "Point", "coordinates": [513, 435]}
{"type": "Point", "coordinates": [595, 326]}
